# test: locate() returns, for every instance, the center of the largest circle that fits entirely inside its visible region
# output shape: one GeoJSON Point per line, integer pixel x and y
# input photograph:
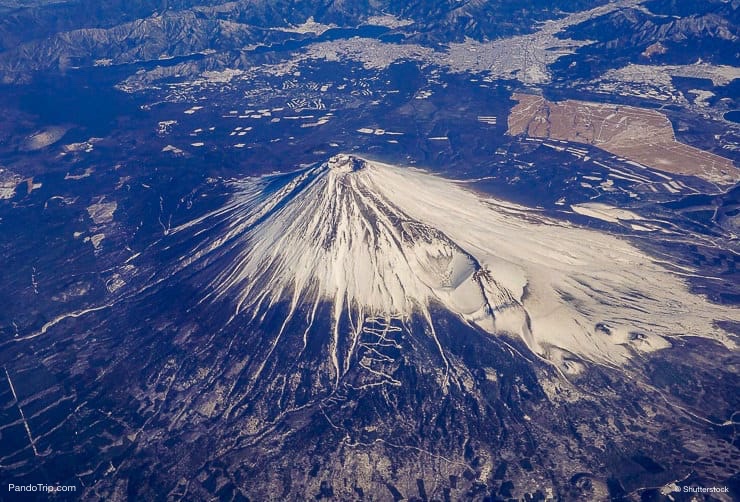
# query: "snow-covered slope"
{"type": "Point", "coordinates": [379, 241]}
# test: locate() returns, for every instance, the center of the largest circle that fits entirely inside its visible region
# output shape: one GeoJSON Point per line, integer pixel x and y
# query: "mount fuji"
{"type": "Point", "coordinates": [376, 243]}
{"type": "Point", "coordinates": [358, 330]}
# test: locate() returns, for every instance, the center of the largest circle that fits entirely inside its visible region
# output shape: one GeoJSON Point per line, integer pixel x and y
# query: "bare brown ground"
{"type": "Point", "coordinates": [637, 134]}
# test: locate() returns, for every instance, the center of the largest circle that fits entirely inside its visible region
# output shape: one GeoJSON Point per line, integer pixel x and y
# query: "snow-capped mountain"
{"type": "Point", "coordinates": [357, 330]}
{"type": "Point", "coordinates": [379, 242]}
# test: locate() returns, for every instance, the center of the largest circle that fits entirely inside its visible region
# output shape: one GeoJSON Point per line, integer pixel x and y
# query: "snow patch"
{"type": "Point", "coordinates": [604, 212]}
